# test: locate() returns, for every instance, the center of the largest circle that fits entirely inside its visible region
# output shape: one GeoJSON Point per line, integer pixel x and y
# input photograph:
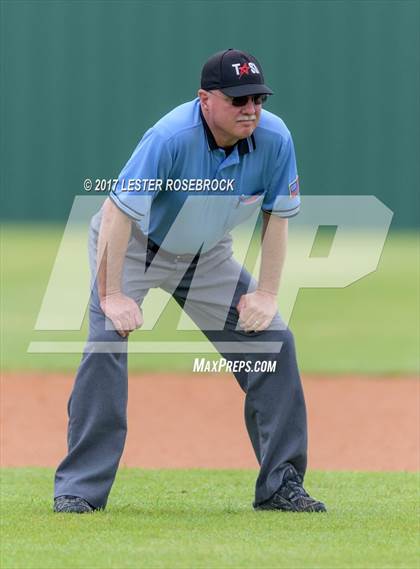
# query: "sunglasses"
{"type": "Point", "coordinates": [242, 101]}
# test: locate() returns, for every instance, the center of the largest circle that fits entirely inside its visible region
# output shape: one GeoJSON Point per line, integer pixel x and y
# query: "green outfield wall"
{"type": "Point", "coordinates": [82, 81]}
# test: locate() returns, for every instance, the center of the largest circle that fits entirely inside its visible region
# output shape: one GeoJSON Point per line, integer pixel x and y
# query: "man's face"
{"type": "Point", "coordinates": [227, 122]}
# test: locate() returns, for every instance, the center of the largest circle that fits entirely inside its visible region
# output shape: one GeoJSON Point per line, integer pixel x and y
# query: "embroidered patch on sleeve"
{"type": "Point", "coordinates": [250, 199]}
{"type": "Point", "coordinates": [294, 187]}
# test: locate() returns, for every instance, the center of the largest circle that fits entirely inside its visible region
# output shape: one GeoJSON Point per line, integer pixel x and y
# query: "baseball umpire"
{"type": "Point", "coordinates": [181, 243]}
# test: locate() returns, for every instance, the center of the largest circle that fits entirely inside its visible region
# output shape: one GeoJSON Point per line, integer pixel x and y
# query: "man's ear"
{"type": "Point", "coordinates": [204, 97]}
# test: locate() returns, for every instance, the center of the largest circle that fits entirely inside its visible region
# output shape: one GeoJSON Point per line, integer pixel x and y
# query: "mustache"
{"type": "Point", "coordinates": [247, 118]}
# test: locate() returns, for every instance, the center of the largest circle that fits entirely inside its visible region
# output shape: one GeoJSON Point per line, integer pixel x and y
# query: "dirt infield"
{"type": "Point", "coordinates": [181, 421]}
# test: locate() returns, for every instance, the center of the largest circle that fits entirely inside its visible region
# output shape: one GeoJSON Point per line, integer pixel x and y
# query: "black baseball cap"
{"type": "Point", "coordinates": [235, 73]}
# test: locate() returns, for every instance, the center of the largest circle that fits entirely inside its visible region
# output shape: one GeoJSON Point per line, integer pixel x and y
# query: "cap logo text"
{"type": "Point", "coordinates": [245, 68]}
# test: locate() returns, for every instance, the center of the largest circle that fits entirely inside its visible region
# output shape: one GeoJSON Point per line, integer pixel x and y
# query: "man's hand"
{"type": "Point", "coordinates": [256, 310]}
{"type": "Point", "coordinates": [123, 312]}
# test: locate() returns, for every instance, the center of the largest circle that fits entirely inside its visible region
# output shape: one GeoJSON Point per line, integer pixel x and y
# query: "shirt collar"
{"type": "Point", "coordinates": [244, 145]}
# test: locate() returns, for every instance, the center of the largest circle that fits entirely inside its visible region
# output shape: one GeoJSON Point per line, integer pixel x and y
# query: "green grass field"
{"type": "Point", "coordinates": [200, 518]}
{"type": "Point", "coordinates": [368, 327]}
{"type": "Point", "coordinates": [203, 519]}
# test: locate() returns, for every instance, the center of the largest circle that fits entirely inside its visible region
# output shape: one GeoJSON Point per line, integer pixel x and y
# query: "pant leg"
{"type": "Point", "coordinates": [98, 404]}
{"type": "Point", "coordinates": [97, 417]}
{"type": "Point", "coordinates": [275, 412]}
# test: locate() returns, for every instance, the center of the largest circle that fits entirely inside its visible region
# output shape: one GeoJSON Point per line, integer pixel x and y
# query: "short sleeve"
{"type": "Point", "coordinates": [150, 161]}
{"type": "Point", "coordinates": [282, 197]}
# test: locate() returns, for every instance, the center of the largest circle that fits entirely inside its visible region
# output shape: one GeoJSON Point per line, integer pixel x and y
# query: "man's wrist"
{"type": "Point", "coordinates": [103, 295]}
{"type": "Point", "coordinates": [266, 290]}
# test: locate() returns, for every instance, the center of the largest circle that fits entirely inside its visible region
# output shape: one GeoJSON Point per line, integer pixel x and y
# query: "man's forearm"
{"type": "Point", "coordinates": [114, 234]}
{"type": "Point", "coordinates": [273, 254]}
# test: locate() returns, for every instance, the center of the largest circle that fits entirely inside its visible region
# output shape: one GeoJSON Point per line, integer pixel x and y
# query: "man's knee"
{"type": "Point", "coordinates": [101, 329]}
{"type": "Point", "coordinates": [100, 336]}
{"type": "Point", "coordinates": [288, 338]}
{"type": "Point", "coordinates": [288, 344]}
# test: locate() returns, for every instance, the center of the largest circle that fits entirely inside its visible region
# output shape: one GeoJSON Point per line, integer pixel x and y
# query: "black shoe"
{"type": "Point", "coordinates": [72, 505]}
{"type": "Point", "coordinates": [291, 496]}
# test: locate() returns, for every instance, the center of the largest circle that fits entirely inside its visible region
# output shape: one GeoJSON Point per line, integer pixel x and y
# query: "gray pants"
{"type": "Point", "coordinates": [208, 289]}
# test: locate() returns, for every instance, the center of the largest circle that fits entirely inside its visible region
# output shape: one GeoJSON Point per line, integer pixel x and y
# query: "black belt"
{"type": "Point", "coordinates": [155, 249]}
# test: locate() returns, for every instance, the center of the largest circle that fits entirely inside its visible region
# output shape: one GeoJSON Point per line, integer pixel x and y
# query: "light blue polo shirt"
{"type": "Point", "coordinates": [186, 193]}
